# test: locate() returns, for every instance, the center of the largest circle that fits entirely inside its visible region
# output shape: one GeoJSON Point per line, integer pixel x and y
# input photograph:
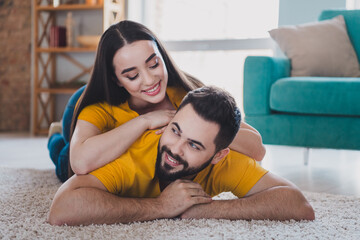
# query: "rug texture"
{"type": "Point", "coordinates": [26, 195]}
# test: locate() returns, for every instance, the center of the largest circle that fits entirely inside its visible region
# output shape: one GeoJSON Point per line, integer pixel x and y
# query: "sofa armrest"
{"type": "Point", "coordinates": [260, 73]}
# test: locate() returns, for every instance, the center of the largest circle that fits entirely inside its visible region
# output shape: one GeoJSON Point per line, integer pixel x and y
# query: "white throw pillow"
{"type": "Point", "coordinates": [318, 49]}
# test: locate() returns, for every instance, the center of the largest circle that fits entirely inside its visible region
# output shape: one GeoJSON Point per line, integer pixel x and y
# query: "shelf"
{"type": "Point", "coordinates": [44, 131]}
{"type": "Point", "coordinates": [58, 90]}
{"type": "Point", "coordinates": [47, 59]}
{"type": "Point", "coordinates": [68, 7]}
{"type": "Point", "coordinates": [66, 49]}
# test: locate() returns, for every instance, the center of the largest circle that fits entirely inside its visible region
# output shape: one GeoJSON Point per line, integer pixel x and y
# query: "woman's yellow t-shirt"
{"type": "Point", "coordinates": [106, 117]}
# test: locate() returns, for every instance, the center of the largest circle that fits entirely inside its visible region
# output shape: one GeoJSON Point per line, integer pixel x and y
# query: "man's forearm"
{"type": "Point", "coordinates": [83, 200]}
{"type": "Point", "coordinates": [277, 203]}
{"type": "Point", "coordinates": [84, 206]}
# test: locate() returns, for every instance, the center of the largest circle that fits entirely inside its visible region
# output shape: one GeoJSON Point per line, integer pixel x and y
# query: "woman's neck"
{"type": "Point", "coordinates": [165, 104]}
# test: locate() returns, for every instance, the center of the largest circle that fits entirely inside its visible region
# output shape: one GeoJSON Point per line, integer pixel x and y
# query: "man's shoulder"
{"type": "Point", "coordinates": [147, 140]}
{"type": "Point", "coordinates": [236, 173]}
{"type": "Point", "coordinates": [234, 160]}
{"type": "Point", "coordinates": [233, 164]}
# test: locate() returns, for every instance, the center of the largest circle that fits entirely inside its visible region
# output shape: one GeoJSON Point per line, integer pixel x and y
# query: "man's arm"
{"type": "Point", "coordinates": [271, 198]}
{"type": "Point", "coordinates": [84, 200]}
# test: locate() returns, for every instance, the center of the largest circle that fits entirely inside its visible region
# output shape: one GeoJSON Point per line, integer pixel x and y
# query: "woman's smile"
{"type": "Point", "coordinates": [154, 90]}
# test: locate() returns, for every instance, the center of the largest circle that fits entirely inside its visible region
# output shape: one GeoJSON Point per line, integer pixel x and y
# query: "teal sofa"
{"type": "Point", "coordinates": [319, 112]}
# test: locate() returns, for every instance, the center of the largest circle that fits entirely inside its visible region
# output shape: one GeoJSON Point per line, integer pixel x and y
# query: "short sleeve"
{"type": "Point", "coordinates": [97, 115]}
{"type": "Point", "coordinates": [111, 175]}
{"type": "Point", "coordinates": [236, 173]}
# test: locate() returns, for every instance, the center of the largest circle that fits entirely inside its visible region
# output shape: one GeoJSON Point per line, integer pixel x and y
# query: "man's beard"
{"type": "Point", "coordinates": [163, 172]}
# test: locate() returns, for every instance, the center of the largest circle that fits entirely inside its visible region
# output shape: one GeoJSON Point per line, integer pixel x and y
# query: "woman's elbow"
{"type": "Point", "coordinates": [79, 167]}
{"type": "Point", "coordinates": [260, 148]}
{"type": "Point", "coordinates": [260, 153]}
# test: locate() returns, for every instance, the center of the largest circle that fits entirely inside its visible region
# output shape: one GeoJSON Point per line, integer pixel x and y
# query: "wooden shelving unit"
{"type": "Point", "coordinates": [46, 86]}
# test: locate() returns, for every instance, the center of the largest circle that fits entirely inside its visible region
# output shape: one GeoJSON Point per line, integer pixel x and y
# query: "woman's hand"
{"type": "Point", "coordinates": [158, 119]}
{"type": "Point", "coordinates": [160, 131]}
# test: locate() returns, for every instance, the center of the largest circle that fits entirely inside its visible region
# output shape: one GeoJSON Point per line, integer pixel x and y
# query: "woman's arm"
{"type": "Point", "coordinates": [249, 142]}
{"type": "Point", "coordinates": [90, 149]}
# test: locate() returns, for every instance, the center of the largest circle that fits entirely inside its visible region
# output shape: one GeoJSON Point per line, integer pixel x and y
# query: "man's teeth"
{"type": "Point", "coordinates": [172, 160]}
{"type": "Point", "coordinates": [154, 89]}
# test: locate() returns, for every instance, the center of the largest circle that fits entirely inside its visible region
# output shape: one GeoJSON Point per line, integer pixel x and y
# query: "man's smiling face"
{"type": "Point", "coordinates": [186, 146]}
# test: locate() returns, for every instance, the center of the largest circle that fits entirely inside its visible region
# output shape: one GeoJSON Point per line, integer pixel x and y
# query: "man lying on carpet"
{"type": "Point", "coordinates": [176, 175]}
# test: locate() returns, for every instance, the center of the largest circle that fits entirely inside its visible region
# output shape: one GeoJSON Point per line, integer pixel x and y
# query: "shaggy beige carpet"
{"type": "Point", "coordinates": [26, 194]}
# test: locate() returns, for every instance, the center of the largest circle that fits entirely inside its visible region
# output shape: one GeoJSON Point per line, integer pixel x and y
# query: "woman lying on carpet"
{"type": "Point", "coordinates": [134, 87]}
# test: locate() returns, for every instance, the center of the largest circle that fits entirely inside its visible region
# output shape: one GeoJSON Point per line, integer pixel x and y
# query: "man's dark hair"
{"type": "Point", "coordinates": [216, 105]}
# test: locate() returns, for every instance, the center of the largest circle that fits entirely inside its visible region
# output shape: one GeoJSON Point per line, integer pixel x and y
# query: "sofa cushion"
{"type": "Point", "coordinates": [320, 49]}
{"type": "Point", "coordinates": [316, 95]}
{"type": "Point", "coordinates": [352, 20]}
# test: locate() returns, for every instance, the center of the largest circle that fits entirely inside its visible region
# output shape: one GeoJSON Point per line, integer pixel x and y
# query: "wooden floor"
{"type": "Point", "coordinates": [328, 170]}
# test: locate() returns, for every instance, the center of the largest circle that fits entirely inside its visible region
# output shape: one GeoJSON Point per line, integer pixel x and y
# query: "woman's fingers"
{"type": "Point", "coordinates": [160, 131]}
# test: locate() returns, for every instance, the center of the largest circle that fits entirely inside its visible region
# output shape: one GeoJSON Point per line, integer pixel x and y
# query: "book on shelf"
{"type": "Point", "coordinates": [57, 36]}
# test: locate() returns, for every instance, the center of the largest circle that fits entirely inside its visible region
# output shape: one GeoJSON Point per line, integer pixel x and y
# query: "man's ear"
{"type": "Point", "coordinates": [220, 155]}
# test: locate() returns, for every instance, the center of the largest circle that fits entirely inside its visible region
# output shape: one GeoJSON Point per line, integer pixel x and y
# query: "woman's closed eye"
{"type": "Point", "coordinates": [154, 63]}
{"type": "Point", "coordinates": [133, 77]}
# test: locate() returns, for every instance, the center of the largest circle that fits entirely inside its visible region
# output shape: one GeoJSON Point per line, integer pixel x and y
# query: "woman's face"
{"type": "Point", "coordinates": [140, 69]}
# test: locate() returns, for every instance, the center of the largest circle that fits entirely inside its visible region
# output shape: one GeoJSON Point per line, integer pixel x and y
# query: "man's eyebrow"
{"type": "Point", "coordinates": [191, 140]}
{"type": "Point", "coordinates": [132, 68]}
{"type": "Point", "coordinates": [177, 126]}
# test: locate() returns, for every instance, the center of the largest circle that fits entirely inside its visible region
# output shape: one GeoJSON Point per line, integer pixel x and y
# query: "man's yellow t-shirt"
{"type": "Point", "coordinates": [133, 173]}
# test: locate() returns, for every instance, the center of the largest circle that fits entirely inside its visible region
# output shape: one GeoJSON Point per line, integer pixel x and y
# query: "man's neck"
{"type": "Point", "coordinates": [164, 184]}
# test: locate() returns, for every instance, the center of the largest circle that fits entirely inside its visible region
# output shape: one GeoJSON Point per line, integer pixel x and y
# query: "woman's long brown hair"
{"type": "Point", "coordinates": [103, 87]}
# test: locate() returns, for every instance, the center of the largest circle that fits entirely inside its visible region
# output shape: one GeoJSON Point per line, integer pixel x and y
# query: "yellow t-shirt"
{"type": "Point", "coordinates": [133, 174]}
{"type": "Point", "coordinates": [107, 117]}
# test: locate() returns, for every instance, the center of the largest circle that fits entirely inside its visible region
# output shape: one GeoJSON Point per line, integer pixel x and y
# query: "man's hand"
{"type": "Point", "coordinates": [272, 197]}
{"type": "Point", "coordinates": [180, 196]}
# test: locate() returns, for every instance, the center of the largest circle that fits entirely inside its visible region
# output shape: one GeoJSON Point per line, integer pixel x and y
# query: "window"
{"type": "Point", "coordinates": [220, 68]}
{"type": "Point", "coordinates": [352, 4]}
{"type": "Point", "coordinates": [210, 39]}
{"type": "Point", "coordinates": [211, 19]}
